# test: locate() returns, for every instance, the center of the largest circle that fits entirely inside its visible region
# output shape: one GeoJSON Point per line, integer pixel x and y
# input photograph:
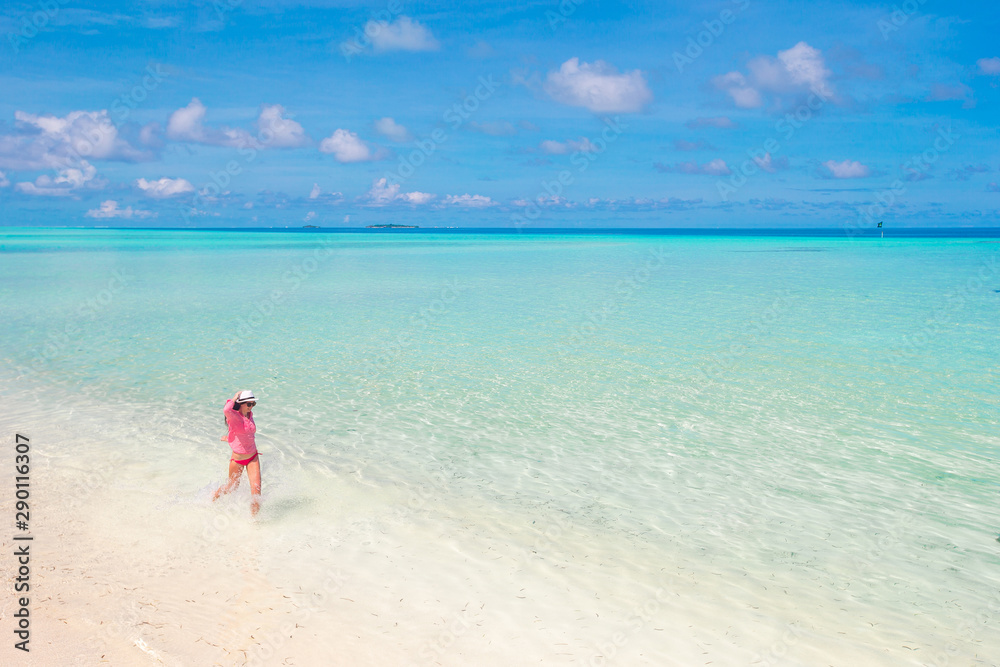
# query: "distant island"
{"type": "Point", "coordinates": [310, 226]}
{"type": "Point", "coordinates": [393, 227]}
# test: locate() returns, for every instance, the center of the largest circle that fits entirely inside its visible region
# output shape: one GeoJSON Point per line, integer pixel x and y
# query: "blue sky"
{"type": "Point", "coordinates": [738, 113]}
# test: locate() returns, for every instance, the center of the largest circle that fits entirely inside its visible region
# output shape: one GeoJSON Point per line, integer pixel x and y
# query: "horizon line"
{"type": "Point", "coordinates": [838, 231]}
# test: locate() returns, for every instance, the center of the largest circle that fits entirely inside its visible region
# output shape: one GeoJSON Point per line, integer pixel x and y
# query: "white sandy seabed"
{"type": "Point", "coordinates": [359, 565]}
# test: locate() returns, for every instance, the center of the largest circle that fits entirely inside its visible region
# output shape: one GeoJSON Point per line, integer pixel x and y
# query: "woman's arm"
{"type": "Point", "coordinates": [230, 408]}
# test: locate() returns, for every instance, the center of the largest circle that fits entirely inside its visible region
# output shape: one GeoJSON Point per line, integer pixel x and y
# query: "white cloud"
{"type": "Point", "coordinates": [186, 124]}
{"type": "Point", "coordinates": [382, 192]}
{"type": "Point", "coordinates": [847, 169]}
{"type": "Point", "coordinates": [309, 216]}
{"type": "Point", "coordinates": [164, 187]}
{"type": "Point", "coordinates": [416, 197]}
{"type": "Point", "coordinates": [275, 131]}
{"type": "Point", "coordinates": [805, 67]}
{"type": "Point", "coordinates": [3, 180]}
{"type": "Point", "coordinates": [771, 164]}
{"type": "Point", "coordinates": [715, 167]}
{"type": "Point", "coordinates": [990, 66]}
{"type": "Point", "coordinates": [90, 133]}
{"type": "Point", "coordinates": [469, 201]}
{"type": "Point", "coordinates": [644, 204]}
{"type": "Point", "coordinates": [66, 182]}
{"type": "Point", "coordinates": [403, 34]}
{"type": "Point", "coordinates": [109, 209]}
{"type": "Point", "coordinates": [390, 129]}
{"type": "Point", "coordinates": [346, 147]}
{"type": "Point", "coordinates": [551, 147]}
{"type": "Point", "coordinates": [207, 195]}
{"type": "Point", "coordinates": [735, 84]}
{"type": "Point", "coordinates": [794, 71]}
{"type": "Point", "coordinates": [54, 142]}
{"type": "Point", "coordinates": [318, 196]}
{"type": "Point", "coordinates": [598, 87]}
{"type": "Point", "coordinates": [544, 200]}
{"type": "Point", "coordinates": [197, 212]}
{"type": "Point", "coordinates": [765, 163]}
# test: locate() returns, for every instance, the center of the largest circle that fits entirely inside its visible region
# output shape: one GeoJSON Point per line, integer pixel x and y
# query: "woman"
{"type": "Point", "coordinates": [239, 418]}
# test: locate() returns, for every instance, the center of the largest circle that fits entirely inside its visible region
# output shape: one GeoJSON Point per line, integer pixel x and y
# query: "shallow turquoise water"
{"type": "Point", "coordinates": [813, 414]}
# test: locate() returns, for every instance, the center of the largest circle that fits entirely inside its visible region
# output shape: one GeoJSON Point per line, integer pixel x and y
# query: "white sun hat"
{"type": "Point", "coordinates": [246, 396]}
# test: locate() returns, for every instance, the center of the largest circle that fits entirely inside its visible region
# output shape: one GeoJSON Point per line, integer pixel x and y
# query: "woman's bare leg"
{"type": "Point", "coordinates": [233, 482]}
{"type": "Point", "coordinates": [253, 473]}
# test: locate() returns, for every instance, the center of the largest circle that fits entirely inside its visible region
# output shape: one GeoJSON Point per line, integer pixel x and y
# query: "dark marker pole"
{"type": "Point", "coordinates": [883, 231]}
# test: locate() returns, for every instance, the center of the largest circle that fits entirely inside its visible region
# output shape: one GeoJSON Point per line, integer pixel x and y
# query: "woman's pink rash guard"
{"type": "Point", "coordinates": [241, 432]}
